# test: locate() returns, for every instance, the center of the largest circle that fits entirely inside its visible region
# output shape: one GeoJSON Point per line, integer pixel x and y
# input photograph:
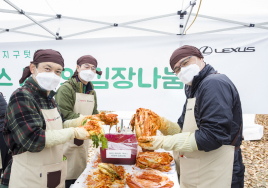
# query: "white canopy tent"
{"type": "Point", "coordinates": [31, 20]}
{"type": "Point", "coordinates": [47, 20]}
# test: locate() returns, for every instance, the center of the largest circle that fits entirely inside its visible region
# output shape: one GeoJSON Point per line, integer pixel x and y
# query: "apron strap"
{"type": "Point", "coordinates": [89, 89]}
{"type": "Point", "coordinates": [55, 106]}
{"type": "Point", "coordinates": [236, 137]}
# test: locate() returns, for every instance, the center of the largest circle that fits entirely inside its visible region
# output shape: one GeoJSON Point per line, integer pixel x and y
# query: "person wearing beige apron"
{"type": "Point", "coordinates": [206, 140]}
{"type": "Point", "coordinates": [42, 169]}
{"type": "Point", "coordinates": [34, 131]}
{"type": "Point", "coordinates": [77, 98]}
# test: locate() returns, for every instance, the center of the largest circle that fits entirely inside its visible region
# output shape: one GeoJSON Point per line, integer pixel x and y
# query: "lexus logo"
{"type": "Point", "coordinates": [206, 50]}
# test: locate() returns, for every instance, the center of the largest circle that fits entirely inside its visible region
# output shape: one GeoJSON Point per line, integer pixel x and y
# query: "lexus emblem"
{"type": "Point", "coordinates": [206, 50]}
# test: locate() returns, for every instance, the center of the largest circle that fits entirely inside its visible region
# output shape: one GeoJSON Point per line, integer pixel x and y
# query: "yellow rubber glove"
{"type": "Point", "coordinates": [57, 137]}
{"type": "Point", "coordinates": [73, 122]}
{"type": "Point", "coordinates": [184, 142]}
{"type": "Point", "coordinates": [168, 127]}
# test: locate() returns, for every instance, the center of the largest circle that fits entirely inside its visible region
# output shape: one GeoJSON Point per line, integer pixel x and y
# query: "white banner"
{"type": "Point", "coordinates": [136, 71]}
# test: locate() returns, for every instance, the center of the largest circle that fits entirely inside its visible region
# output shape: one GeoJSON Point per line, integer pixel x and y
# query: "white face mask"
{"type": "Point", "coordinates": [187, 74]}
{"type": "Point", "coordinates": [47, 80]}
{"type": "Point", "coordinates": [87, 75]}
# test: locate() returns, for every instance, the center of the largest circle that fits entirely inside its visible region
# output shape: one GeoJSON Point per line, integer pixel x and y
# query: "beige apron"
{"type": "Point", "coordinates": [41, 169]}
{"type": "Point", "coordinates": [77, 150]}
{"type": "Point", "coordinates": [200, 169]}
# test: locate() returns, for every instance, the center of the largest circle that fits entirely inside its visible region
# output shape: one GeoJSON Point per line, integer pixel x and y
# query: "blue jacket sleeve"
{"type": "Point", "coordinates": [214, 108]}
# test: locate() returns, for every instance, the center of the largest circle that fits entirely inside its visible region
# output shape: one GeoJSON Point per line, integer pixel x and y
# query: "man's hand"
{"type": "Point", "coordinates": [73, 122]}
{"type": "Point", "coordinates": [184, 142]}
{"type": "Point", "coordinates": [168, 127]}
{"type": "Point", "coordinates": [81, 133]}
{"type": "Point", "coordinates": [151, 142]}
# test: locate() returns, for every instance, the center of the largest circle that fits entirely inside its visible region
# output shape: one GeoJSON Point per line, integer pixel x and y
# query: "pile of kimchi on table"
{"type": "Point", "coordinates": [151, 165]}
{"type": "Point", "coordinates": [92, 124]}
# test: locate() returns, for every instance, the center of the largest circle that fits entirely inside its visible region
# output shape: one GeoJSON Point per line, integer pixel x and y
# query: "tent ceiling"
{"type": "Point", "coordinates": [106, 12]}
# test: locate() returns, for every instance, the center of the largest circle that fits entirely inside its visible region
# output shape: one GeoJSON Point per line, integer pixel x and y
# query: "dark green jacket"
{"type": "Point", "coordinates": [66, 97]}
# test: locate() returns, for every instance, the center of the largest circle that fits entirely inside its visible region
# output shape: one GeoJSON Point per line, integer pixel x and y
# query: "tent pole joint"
{"type": "Point", "coordinates": [182, 13]}
{"type": "Point", "coordinates": [193, 4]}
{"type": "Point", "coordinates": [7, 30]}
{"type": "Point", "coordinates": [115, 25]}
{"type": "Point", "coordinates": [58, 16]}
{"type": "Point", "coordinates": [251, 25]}
{"type": "Point", "coordinates": [21, 12]}
{"type": "Point", "coordinates": [59, 38]}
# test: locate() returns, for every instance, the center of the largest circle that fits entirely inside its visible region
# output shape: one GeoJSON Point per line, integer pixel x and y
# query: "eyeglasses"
{"type": "Point", "coordinates": [177, 70]}
{"type": "Point", "coordinates": [87, 66]}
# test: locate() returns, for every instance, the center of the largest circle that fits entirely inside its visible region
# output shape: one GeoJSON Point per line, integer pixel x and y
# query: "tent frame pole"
{"type": "Point", "coordinates": [22, 12]}
{"type": "Point", "coordinates": [25, 33]}
{"type": "Point", "coordinates": [182, 13]}
{"type": "Point", "coordinates": [147, 19]}
{"type": "Point", "coordinates": [88, 31]}
{"type": "Point", "coordinates": [36, 35]}
{"type": "Point", "coordinates": [149, 30]}
{"type": "Point", "coordinates": [87, 20]}
{"type": "Point", "coordinates": [31, 24]}
{"type": "Point", "coordinates": [230, 21]}
{"type": "Point", "coordinates": [192, 6]}
{"type": "Point", "coordinates": [230, 28]}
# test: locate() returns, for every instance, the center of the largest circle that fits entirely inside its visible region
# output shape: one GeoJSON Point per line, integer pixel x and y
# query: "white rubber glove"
{"type": "Point", "coordinates": [57, 137]}
{"type": "Point", "coordinates": [168, 127]}
{"type": "Point", "coordinates": [73, 122]}
{"type": "Point", "coordinates": [81, 133]}
{"type": "Point", "coordinates": [184, 142]}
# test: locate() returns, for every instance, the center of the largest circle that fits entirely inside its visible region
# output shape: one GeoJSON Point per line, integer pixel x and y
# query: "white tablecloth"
{"type": "Point", "coordinates": [81, 181]}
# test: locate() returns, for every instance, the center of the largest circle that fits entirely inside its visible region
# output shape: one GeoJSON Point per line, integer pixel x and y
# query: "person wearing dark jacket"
{"type": "Point", "coordinates": [5, 157]}
{"type": "Point", "coordinates": [207, 137]}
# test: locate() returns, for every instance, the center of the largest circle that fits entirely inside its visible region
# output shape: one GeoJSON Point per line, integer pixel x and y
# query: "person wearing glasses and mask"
{"type": "Point", "coordinates": [207, 137]}
{"type": "Point", "coordinates": [76, 99]}
{"type": "Point", "coordinates": [33, 128]}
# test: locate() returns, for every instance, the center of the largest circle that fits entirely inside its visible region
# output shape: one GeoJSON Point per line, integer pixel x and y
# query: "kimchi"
{"type": "Point", "coordinates": [107, 176]}
{"type": "Point", "coordinates": [149, 179]}
{"type": "Point", "coordinates": [93, 124]}
{"type": "Point", "coordinates": [156, 160]}
{"type": "Point", "coordinates": [145, 122]}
